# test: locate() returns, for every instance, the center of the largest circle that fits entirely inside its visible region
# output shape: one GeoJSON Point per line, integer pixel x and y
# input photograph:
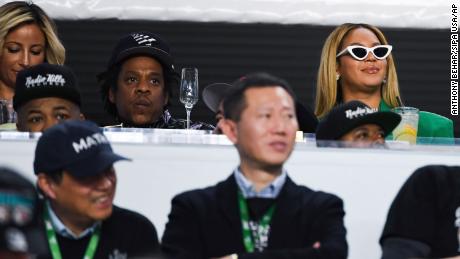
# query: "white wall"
{"type": "Point", "coordinates": [366, 180]}
{"type": "Point", "coordinates": [388, 13]}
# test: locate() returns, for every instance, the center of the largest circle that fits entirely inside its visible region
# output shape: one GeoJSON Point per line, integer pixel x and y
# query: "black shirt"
{"type": "Point", "coordinates": [424, 211]}
{"type": "Point", "coordinates": [123, 235]}
{"type": "Point", "coordinates": [166, 121]}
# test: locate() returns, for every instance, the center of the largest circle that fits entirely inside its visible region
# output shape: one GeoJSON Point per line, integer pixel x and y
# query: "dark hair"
{"type": "Point", "coordinates": [55, 176]}
{"type": "Point", "coordinates": [109, 80]}
{"type": "Point", "coordinates": [234, 103]}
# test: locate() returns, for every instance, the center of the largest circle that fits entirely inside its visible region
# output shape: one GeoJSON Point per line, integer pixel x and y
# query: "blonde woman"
{"type": "Point", "coordinates": [27, 37]}
{"type": "Point", "coordinates": [357, 64]}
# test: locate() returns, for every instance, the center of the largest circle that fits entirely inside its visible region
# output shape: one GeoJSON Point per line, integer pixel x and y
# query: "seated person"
{"type": "Point", "coordinates": [28, 36]}
{"type": "Point", "coordinates": [20, 235]}
{"type": "Point", "coordinates": [258, 211]}
{"type": "Point", "coordinates": [138, 83]}
{"type": "Point", "coordinates": [45, 95]}
{"type": "Point", "coordinates": [355, 124]}
{"type": "Point", "coordinates": [357, 64]}
{"type": "Point", "coordinates": [424, 218]}
{"type": "Point", "coordinates": [74, 164]}
{"type": "Point", "coordinates": [213, 96]}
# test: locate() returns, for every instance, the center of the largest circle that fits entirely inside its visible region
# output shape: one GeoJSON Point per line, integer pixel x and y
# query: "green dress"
{"type": "Point", "coordinates": [432, 128]}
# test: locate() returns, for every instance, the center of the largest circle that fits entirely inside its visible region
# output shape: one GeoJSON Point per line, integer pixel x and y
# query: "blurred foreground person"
{"type": "Point", "coordinates": [257, 212]}
{"type": "Point", "coordinates": [20, 236]}
{"type": "Point", "coordinates": [424, 218]}
{"type": "Point", "coordinates": [74, 165]}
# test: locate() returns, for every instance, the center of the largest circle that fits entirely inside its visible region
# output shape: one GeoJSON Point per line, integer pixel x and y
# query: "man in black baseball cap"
{"type": "Point", "coordinates": [213, 97]}
{"type": "Point", "coordinates": [20, 235]}
{"type": "Point", "coordinates": [137, 84]}
{"type": "Point", "coordinates": [214, 94]}
{"type": "Point", "coordinates": [74, 165]}
{"type": "Point", "coordinates": [354, 124]}
{"type": "Point", "coordinates": [46, 94]}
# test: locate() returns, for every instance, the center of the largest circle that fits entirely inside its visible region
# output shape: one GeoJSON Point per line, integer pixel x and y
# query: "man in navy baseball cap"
{"type": "Point", "coordinates": [79, 148]}
{"type": "Point", "coordinates": [74, 165]}
{"type": "Point", "coordinates": [46, 94]}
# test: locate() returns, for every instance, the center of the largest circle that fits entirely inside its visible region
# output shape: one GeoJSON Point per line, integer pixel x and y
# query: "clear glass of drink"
{"type": "Point", "coordinates": [407, 128]}
{"type": "Point", "coordinates": [189, 90]}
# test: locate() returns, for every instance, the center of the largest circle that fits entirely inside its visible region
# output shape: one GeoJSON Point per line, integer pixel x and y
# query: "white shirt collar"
{"type": "Point", "coordinates": [64, 231]}
{"type": "Point", "coordinates": [248, 190]}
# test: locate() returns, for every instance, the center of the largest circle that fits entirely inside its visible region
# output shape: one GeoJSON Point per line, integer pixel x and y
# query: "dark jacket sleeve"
{"type": "Point", "coordinates": [413, 214]}
{"type": "Point", "coordinates": [144, 238]}
{"type": "Point", "coordinates": [320, 215]}
{"type": "Point", "coordinates": [180, 238]}
{"type": "Point", "coordinates": [328, 230]}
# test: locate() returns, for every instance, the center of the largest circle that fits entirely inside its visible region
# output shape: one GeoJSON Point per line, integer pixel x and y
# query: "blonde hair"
{"type": "Point", "coordinates": [17, 13]}
{"type": "Point", "coordinates": [326, 85]}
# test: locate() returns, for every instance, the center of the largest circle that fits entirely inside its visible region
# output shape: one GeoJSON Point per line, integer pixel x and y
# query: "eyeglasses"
{"type": "Point", "coordinates": [360, 52]}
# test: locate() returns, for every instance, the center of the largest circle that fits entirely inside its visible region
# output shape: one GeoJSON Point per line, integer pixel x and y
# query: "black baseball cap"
{"type": "Point", "coordinates": [46, 80]}
{"type": "Point", "coordinates": [141, 43]}
{"type": "Point", "coordinates": [19, 217]}
{"type": "Point", "coordinates": [305, 117]}
{"type": "Point", "coordinates": [346, 117]}
{"type": "Point", "coordinates": [214, 93]}
{"type": "Point", "coordinates": [79, 147]}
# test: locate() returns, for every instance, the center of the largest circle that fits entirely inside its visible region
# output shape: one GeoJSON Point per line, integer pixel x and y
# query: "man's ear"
{"type": "Point", "coordinates": [111, 95]}
{"type": "Point", "coordinates": [46, 185]}
{"type": "Point", "coordinates": [229, 128]}
{"type": "Point", "coordinates": [166, 98]}
{"type": "Point", "coordinates": [82, 117]}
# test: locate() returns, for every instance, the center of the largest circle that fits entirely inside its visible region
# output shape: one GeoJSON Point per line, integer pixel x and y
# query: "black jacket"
{"type": "Point", "coordinates": [206, 223]}
{"type": "Point", "coordinates": [123, 233]}
{"type": "Point", "coordinates": [425, 211]}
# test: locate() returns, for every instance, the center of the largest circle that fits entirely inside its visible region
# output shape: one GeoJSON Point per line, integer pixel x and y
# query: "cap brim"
{"type": "Point", "coordinates": [387, 120]}
{"type": "Point", "coordinates": [213, 94]}
{"type": "Point", "coordinates": [83, 168]}
{"type": "Point", "coordinates": [156, 53]}
{"type": "Point", "coordinates": [306, 118]}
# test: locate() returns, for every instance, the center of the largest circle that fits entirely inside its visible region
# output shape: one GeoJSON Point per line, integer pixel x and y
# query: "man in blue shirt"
{"type": "Point", "coordinates": [258, 212]}
{"type": "Point", "coordinates": [74, 168]}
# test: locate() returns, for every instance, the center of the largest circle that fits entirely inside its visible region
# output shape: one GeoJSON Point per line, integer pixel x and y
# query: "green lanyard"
{"type": "Point", "coordinates": [244, 213]}
{"type": "Point", "coordinates": [54, 246]}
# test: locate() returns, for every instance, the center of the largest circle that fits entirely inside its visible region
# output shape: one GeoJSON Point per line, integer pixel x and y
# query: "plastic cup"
{"type": "Point", "coordinates": [407, 128]}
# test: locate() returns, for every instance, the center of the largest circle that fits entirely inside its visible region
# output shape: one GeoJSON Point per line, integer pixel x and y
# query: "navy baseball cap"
{"type": "Point", "coordinates": [46, 80]}
{"type": "Point", "coordinates": [79, 147]}
{"type": "Point", "coordinates": [20, 230]}
{"type": "Point", "coordinates": [346, 117]}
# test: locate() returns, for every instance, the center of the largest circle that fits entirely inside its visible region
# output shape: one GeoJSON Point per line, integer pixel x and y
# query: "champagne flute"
{"type": "Point", "coordinates": [189, 90]}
